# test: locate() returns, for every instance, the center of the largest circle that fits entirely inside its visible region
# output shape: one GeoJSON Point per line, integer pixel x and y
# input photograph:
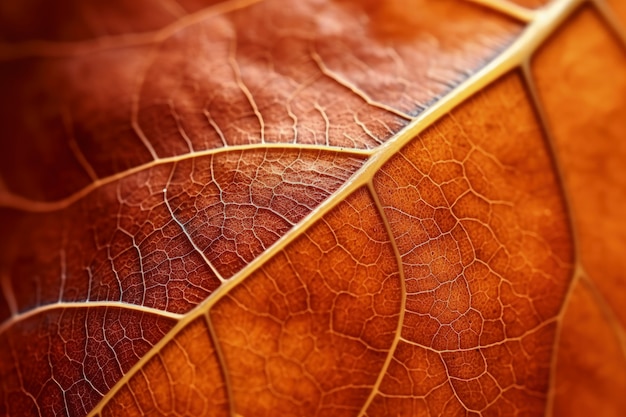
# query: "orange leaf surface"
{"type": "Point", "coordinates": [313, 208]}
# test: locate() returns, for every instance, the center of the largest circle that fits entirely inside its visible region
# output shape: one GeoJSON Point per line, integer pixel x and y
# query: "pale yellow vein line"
{"type": "Point", "coordinates": [154, 351]}
{"type": "Point", "coordinates": [179, 125]}
{"type": "Point", "coordinates": [186, 233]}
{"type": "Point", "coordinates": [222, 363]}
{"type": "Point", "coordinates": [136, 99]}
{"type": "Point", "coordinates": [322, 113]}
{"type": "Point", "coordinates": [449, 379]}
{"type": "Point", "coordinates": [215, 126]}
{"type": "Point", "coordinates": [502, 342]}
{"type": "Point", "coordinates": [547, 20]}
{"type": "Point", "coordinates": [508, 8]}
{"type": "Point", "coordinates": [396, 340]}
{"type": "Point", "coordinates": [78, 154]}
{"type": "Point", "coordinates": [7, 290]}
{"type": "Point", "coordinates": [18, 50]}
{"type": "Point", "coordinates": [360, 93]}
{"type": "Point", "coordinates": [20, 203]}
{"type": "Point", "coordinates": [232, 59]}
{"type": "Point", "coordinates": [66, 305]}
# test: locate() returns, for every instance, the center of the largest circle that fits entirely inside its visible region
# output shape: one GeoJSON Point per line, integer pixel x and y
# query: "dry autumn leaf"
{"type": "Point", "coordinates": [315, 208]}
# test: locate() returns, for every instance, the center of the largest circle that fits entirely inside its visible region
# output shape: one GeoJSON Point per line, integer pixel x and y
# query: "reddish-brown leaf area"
{"type": "Point", "coordinates": [67, 359]}
{"type": "Point", "coordinates": [233, 79]}
{"type": "Point", "coordinates": [323, 207]}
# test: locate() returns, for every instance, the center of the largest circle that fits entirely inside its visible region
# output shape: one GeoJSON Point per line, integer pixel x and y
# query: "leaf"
{"type": "Point", "coordinates": [247, 208]}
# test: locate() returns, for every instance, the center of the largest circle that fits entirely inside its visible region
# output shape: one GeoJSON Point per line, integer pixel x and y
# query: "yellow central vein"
{"type": "Point", "coordinates": [546, 21]}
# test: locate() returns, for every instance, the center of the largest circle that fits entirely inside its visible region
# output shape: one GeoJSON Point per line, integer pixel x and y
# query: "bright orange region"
{"type": "Point", "coordinates": [585, 102]}
{"type": "Point", "coordinates": [482, 232]}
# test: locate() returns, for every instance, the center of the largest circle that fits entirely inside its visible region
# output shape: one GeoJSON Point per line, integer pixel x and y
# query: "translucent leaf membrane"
{"type": "Point", "coordinates": [585, 103]}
